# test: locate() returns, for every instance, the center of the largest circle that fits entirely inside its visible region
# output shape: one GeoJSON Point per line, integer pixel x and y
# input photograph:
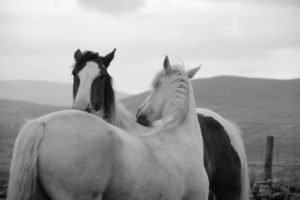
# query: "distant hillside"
{"type": "Point", "coordinates": [48, 93]}
{"type": "Point", "coordinates": [274, 103]}
{"type": "Point", "coordinates": [243, 99]}
{"type": "Point", "coordinates": [240, 99]}
{"type": "Point", "coordinates": [13, 114]}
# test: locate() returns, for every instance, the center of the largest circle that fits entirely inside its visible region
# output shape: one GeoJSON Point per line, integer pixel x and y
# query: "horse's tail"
{"type": "Point", "coordinates": [23, 181]}
{"type": "Point", "coordinates": [238, 144]}
{"type": "Point", "coordinates": [245, 193]}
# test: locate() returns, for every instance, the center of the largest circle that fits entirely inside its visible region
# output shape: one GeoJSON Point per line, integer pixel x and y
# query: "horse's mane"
{"type": "Point", "coordinates": [177, 108]}
{"type": "Point", "coordinates": [108, 108]}
{"type": "Point", "coordinates": [86, 57]}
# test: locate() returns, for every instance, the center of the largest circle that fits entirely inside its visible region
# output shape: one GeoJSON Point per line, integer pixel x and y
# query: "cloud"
{"type": "Point", "coordinates": [238, 38]}
{"type": "Point", "coordinates": [211, 30]}
{"type": "Point", "coordinates": [113, 6]}
{"type": "Point", "coordinates": [260, 2]}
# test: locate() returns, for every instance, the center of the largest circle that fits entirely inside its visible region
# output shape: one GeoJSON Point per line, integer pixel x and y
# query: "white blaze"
{"type": "Point", "coordinates": [87, 75]}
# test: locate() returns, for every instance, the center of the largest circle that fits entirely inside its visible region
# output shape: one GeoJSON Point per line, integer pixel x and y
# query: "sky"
{"type": "Point", "coordinates": [251, 38]}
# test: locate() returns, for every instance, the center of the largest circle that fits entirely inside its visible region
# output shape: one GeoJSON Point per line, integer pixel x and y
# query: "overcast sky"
{"type": "Point", "coordinates": [253, 38]}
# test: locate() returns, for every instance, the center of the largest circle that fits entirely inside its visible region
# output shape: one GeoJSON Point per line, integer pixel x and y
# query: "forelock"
{"type": "Point", "coordinates": [176, 70]}
{"type": "Point", "coordinates": [88, 56]}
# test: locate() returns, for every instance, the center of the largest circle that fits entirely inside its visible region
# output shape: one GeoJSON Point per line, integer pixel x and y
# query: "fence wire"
{"type": "Point", "coordinates": [286, 153]}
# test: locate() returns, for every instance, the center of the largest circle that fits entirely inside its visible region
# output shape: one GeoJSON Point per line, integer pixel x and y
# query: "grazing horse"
{"type": "Point", "coordinates": [75, 155]}
{"type": "Point", "coordinates": [93, 91]}
{"type": "Point", "coordinates": [224, 152]}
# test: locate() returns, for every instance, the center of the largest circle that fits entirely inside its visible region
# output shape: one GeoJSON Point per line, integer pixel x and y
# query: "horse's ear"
{"type": "Point", "coordinates": [167, 66]}
{"type": "Point", "coordinates": [77, 54]}
{"type": "Point", "coordinates": [108, 58]}
{"type": "Point", "coordinates": [191, 73]}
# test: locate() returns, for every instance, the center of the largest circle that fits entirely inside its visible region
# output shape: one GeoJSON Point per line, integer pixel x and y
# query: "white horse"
{"type": "Point", "coordinates": [224, 153]}
{"type": "Point", "coordinates": [74, 155]}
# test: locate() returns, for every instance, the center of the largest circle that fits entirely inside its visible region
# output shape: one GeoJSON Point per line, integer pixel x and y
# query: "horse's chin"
{"type": "Point", "coordinates": [88, 110]}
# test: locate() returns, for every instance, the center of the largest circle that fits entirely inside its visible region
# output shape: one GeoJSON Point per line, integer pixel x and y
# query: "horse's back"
{"type": "Point", "coordinates": [75, 146]}
{"type": "Point", "coordinates": [221, 159]}
{"type": "Point", "coordinates": [86, 156]}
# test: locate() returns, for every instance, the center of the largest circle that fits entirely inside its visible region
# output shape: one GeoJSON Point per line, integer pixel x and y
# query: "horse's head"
{"type": "Point", "coordinates": [92, 85]}
{"type": "Point", "coordinates": [169, 93]}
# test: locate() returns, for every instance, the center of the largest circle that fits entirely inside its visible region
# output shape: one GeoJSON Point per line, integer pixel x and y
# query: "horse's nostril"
{"type": "Point", "coordinates": [142, 119]}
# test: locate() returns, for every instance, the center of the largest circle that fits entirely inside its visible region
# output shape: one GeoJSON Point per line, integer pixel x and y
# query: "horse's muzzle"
{"type": "Point", "coordinates": [87, 110]}
{"type": "Point", "coordinates": [142, 119]}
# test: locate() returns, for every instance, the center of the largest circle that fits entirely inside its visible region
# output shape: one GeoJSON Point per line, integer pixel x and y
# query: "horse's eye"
{"type": "Point", "coordinates": [157, 84]}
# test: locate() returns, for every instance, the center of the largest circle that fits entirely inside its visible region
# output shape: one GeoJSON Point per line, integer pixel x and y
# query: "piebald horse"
{"type": "Point", "coordinates": [75, 155]}
{"type": "Point", "coordinates": [224, 152]}
{"type": "Point", "coordinates": [93, 91]}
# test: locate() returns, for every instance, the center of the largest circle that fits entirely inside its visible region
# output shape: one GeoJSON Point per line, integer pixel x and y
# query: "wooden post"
{"type": "Point", "coordinates": [269, 158]}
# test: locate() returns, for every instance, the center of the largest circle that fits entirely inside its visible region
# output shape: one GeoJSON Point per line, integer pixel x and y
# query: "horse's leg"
{"type": "Point", "coordinates": [211, 196]}
{"type": "Point", "coordinates": [99, 198]}
{"type": "Point", "coordinates": [228, 194]}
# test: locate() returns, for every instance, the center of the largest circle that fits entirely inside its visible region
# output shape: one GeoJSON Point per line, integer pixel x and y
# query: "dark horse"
{"type": "Point", "coordinates": [102, 97]}
{"type": "Point", "coordinates": [224, 154]}
{"type": "Point", "coordinates": [93, 91]}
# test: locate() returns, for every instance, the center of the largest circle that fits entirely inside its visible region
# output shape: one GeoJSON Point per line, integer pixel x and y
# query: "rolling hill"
{"type": "Point", "coordinates": [243, 99]}
{"type": "Point", "coordinates": [13, 114]}
{"type": "Point", "coordinates": [260, 106]}
{"type": "Point", "coordinates": [41, 92]}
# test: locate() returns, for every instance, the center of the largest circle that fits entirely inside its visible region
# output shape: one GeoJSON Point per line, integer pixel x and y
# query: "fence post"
{"type": "Point", "coordinates": [269, 158]}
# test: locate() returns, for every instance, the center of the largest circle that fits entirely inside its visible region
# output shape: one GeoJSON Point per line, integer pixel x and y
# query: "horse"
{"type": "Point", "coordinates": [93, 91]}
{"type": "Point", "coordinates": [224, 153]}
{"type": "Point", "coordinates": [72, 154]}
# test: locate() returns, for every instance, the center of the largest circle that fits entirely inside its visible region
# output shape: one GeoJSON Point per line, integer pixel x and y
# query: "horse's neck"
{"type": "Point", "coordinates": [191, 120]}
{"type": "Point", "coordinates": [123, 118]}
{"type": "Point", "coordinates": [183, 119]}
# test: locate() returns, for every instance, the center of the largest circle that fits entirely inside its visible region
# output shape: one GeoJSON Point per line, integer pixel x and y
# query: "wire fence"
{"type": "Point", "coordinates": [286, 152]}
